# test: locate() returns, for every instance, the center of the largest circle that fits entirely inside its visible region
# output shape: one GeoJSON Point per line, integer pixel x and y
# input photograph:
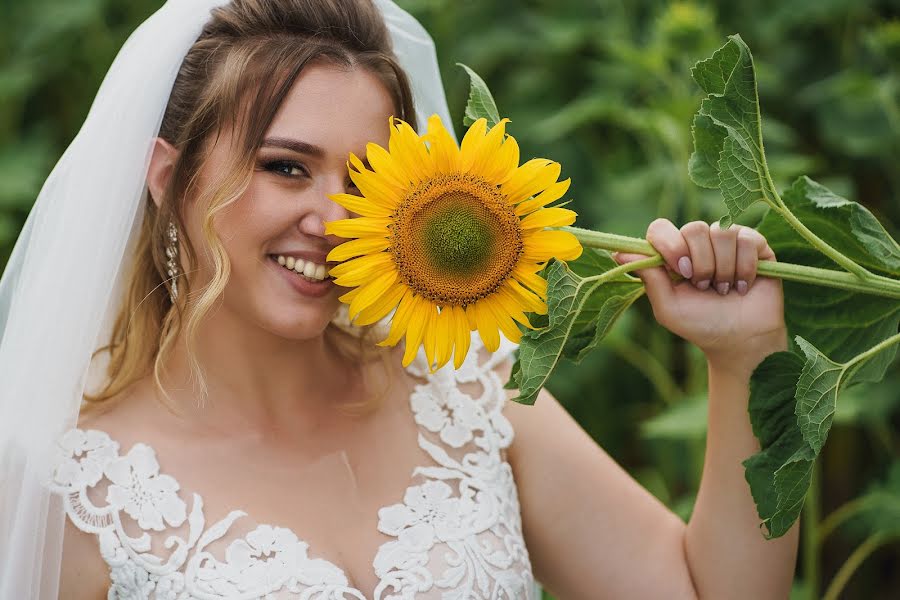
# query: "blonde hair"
{"type": "Point", "coordinates": [236, 75]}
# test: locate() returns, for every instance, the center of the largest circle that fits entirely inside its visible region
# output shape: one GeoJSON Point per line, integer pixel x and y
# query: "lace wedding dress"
{"type": "Point", "coordinates": [455, 534]}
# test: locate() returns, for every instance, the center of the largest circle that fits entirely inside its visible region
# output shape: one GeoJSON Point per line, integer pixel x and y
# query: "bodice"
{"type": "Point", "coordinates": [455, 533]}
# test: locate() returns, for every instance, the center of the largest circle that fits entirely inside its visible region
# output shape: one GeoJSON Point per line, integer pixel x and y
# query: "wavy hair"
{"type": "Point", "coordinates": [236, 75]}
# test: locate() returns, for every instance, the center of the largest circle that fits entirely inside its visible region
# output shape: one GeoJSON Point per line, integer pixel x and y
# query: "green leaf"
{"type": "Point", "coordinates": [821, 380]}
{"type": "Point", "coordinates": [840, 323]}
{"type": "Point", "coordinates": [779, 474]}
{"type": "Point", "coordinates": [816, 394]}
{"type": "Point", "coordinates": [792, 405]}
{"type": "Point", "coordinates": [580, 312]}
{"type": "Point", "coordinates": [728, 147]}
{"type": "Point", "coordinates": [481, 103]}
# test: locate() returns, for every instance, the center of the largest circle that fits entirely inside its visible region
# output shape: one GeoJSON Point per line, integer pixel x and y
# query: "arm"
{"type": "Point", "coordinates": [726, 551]}
{"type": "Point", "coordinates": [595, 532]}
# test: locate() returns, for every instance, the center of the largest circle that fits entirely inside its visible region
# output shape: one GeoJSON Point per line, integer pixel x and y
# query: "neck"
{"type": "Point", "coordinates": [259, 381]}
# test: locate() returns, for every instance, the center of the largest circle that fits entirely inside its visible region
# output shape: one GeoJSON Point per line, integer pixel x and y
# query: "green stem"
{"type": "Point", "coordinates": [862, 552]}
{"type": "Point", "coordinates": [644, 263]}
{"type": "Point", "coordinates": [894, 339]}
{"type": "Point", "coordinates": [823, 246]}
{"type": "Point", "coordinates": [812, 516]}
{"type": "Point", "coordinates": [873, 284]}
{"type": "Point", "coordinates": [840, 515]}
{"type": "Point", "coordinates": [645, 362]}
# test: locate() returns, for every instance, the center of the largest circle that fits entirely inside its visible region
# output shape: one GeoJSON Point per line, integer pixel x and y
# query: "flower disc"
{"type": "Point", "coordinates": [455, 240]}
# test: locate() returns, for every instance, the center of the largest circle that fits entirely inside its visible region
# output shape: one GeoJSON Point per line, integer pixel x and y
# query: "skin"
{"type": "Point", "coordinates": [275, 388]}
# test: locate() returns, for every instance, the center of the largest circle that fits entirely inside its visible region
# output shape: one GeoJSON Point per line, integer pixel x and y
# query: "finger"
{"type": "Point", "coordinates": [751, 247]}
{"type": "Point", "coordinates": [668, 241]}
{"type": "Point", "coordinates": [656, 280]}
{"type": "Point", "coordinates": [724, 244]}
{"type": "Point", "coordinates": [696, 236]}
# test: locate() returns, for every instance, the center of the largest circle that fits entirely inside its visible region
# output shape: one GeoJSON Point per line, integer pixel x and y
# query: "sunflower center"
{"type": "Point", "coordinates": [455, 239]}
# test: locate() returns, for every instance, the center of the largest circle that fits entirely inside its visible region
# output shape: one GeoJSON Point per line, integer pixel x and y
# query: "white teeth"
{"type": "Point", "coordinates": [307, 269]}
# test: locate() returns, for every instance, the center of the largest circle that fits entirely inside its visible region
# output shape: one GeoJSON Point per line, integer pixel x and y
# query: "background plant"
{"type": "Point", "coordinates": [604, 88]}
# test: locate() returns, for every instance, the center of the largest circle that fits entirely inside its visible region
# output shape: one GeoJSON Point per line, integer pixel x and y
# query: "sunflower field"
{"type": "Point", "coordinates": [605, 89]}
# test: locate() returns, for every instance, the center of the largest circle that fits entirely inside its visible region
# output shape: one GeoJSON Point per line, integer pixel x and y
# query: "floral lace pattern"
{"type": "Point", "coordinates": [456, 535]}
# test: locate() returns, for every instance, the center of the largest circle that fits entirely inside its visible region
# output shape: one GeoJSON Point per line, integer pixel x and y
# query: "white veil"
{"type": "Point", "coordinates": [61, 288]}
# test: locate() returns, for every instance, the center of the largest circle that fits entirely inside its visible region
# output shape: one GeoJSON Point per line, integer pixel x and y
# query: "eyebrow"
{"type": "Point", "coordinates": [302, 147]}
{"type": "Point", "coordinates": [298, 146]}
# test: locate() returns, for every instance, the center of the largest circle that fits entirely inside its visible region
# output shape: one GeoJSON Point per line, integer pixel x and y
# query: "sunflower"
{"type": "Point", "coordinates": [451, 236]}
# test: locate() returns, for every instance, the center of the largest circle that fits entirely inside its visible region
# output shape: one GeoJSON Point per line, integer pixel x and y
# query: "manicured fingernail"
{"type": "Point", "coordinates": [722, 287]}
{"type": "Point", "coordinates": [741, 287]}
{"type": "Point", "coordinates": [685, 267]}
{"type": "Point", "coordinates": [702, 285]}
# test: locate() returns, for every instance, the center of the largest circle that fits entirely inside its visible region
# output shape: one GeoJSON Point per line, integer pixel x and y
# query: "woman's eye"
{"type": "Point", "coordinates": [286, 168]}
{"type": "Point", "coordinates": [351, 185]}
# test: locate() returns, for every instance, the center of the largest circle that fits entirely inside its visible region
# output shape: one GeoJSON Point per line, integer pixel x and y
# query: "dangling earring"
{"type": "Point", "coordinates": [172, 260]}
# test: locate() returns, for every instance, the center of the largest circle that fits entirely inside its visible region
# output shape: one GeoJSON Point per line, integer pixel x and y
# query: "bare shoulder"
{"type": "Point", "coordinates": [130, 417]}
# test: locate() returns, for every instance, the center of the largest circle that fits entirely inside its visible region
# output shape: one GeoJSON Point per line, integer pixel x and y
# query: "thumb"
{"type": "Point", "coordinates": [656, 279]}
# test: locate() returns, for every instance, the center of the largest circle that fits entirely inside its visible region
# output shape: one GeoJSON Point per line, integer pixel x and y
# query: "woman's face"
{"type": "Point", "coordinates": [329, 112]}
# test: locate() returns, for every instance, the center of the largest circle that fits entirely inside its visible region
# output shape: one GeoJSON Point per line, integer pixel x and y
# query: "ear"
{"type": "Point", "coordinates": [162, 163]}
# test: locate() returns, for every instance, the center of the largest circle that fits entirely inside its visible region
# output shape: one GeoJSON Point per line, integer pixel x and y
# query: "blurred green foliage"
{"type": "Point", "coordinates": [604, 88]}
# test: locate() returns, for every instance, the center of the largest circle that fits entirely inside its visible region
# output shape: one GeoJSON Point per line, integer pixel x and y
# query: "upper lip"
{"type": "Point", "coordinates": [310, 255]}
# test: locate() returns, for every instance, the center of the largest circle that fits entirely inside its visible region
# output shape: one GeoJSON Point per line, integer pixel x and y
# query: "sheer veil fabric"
{"type": "Point", "coordinates": [60, 290]}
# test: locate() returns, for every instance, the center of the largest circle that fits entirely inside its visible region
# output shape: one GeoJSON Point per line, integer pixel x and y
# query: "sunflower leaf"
{"type": "Point", "coordinates": [481, 103]}
{"type": "Point", "coordinates": [581, 311]}
{"type": "Point", "coordinates": [728, 146]}
{"type": "Point", "coordinates": [793, 397]}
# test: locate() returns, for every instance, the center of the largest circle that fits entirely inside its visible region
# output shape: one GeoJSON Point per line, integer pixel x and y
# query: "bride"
{"type": "Point", "coordinates": [222, 431]}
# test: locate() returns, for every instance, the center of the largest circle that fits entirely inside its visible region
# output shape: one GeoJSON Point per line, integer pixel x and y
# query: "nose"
{"type": "Point", "coordinates": [325, 209]}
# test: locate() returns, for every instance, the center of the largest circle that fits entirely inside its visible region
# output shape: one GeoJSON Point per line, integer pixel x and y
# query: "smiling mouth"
{"type": "Point", "coordinates": [305, 269]}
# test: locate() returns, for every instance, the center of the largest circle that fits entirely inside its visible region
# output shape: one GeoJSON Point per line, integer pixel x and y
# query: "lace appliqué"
{"type": "Point", "coordinates": [455, 536]}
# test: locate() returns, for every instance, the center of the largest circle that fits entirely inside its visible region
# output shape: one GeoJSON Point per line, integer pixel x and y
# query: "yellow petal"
{"type": "Point", "coordinates": [443, 147]}
{"type": "Point", "coordinates": [526, 275]}
{"type": "Point", "coordinates": [471, 142]}
{"type": "Point", "coordinates": [487, 151]}
{"type": "Point", "coordinates": [381, 307]}
{"type": "Point", "coordinates": [360, 270]}
{"type": "Point", "coordinates": [429, 337]}
{"type": "Point", "coordinates": [463, 335]}
{"type": "Point", "coordinates": [504, 163]}
{"type": "Point", "coordinates": [367, 207]}
{"type": "Point", "coordinates": [376, 189]}
{"type": "Point", "coordinates": [372, 291]}
{"type": "Point", "coordinates": [444, 335]}
{"type": "Point", "coordinates": [525, 298]}
{"type": "Point", "coordinates": [549, 217]}
{"type": "Point", "coordinates": [511, 305]}
{"type": "Point", "coordinates": [534, 176]}
{"type": "Point", "coordinates": [551, 194]}
{"type": "Point", "coordinates": [369, 245]}
{"type": "Point", "coordinates": [359, 227]}
{"type": "Point", "coordinates": [503, 320]}
{"type": "Point", "coordinates": [409, 152]}
{"type": "Point", "coordinates": [415, 331]}
{"type": "Point", "coordinates": [400, 320]}
{"type": "Point", "coordinates": [383, 164]}
{"type": "Point", "coordinates": [487, 326]}
{"type": "Point", "coordinates": [543, 244]}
